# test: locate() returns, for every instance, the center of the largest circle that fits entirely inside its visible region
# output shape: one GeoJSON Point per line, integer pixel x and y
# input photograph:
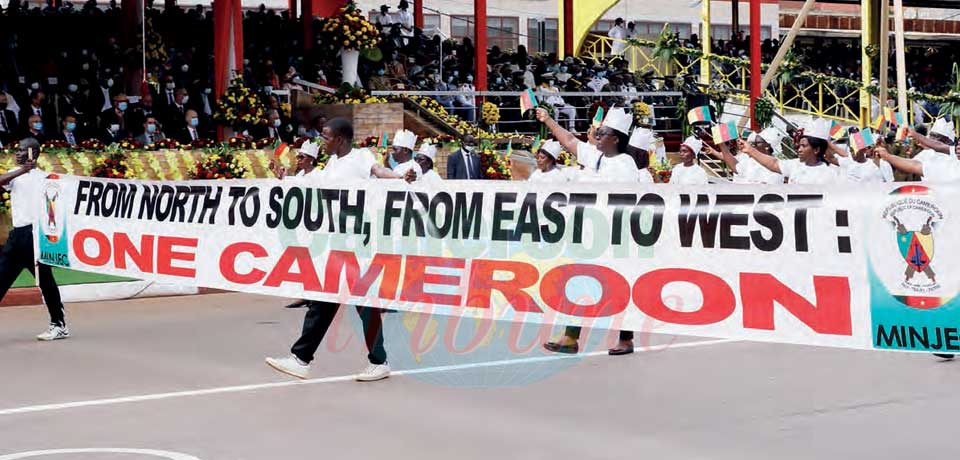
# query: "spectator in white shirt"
{"type": "Point", "coordinates": [618, 34]}
{"type": "Point", "coordinates": [551, 95]}
{"type": "Point", "coordinates": [468, 109]}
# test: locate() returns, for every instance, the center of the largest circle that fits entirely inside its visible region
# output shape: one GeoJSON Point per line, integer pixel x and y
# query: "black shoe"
{"type": "Point", "coordinates": [945, 356]}
{"type": "Point", "coordinates": [619, 351]}
{"type": "Point", "coordinates": [566, 349]}
{"type": "Point", "coordinates": [299, 304]}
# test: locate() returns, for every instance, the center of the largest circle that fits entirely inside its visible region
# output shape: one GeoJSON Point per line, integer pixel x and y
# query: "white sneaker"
{"type": "Point", "coordinates": [291, 366]}
{"type": "Point", "coordinates": [54, 332]}
{"type": "Point", "coordinates": [374, 372]}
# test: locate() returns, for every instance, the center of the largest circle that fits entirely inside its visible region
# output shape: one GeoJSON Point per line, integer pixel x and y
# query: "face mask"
{"type": "Point", "coordinates": [267, 89]}
{"type": "Point", "coordinates": [151, 128]}
{"type": "Point", "coordinates": [469, 79]}
{"type": "Point", "coordinates": [85, 66]}
{"type": "Point", "coordinates": [380, 72]}
{"type": "Point", "coordinates": [114, 128]}
{"type": "Point", "coordinates": [171, 85]}
{"type": "Point", "coordinates": [71, 126]}
{"type": "Point", "coordinates": [276, 123]}
{"type": "Point", "coordinates": [246, 62]}
{"type": "Point", "coordinates": [185, 99]}
{"type": "Point", "coordinates": [122, 106]}
{"type": "Point", "coordinates": [184, 68]}
{"type": "Point", "coordinates": [84, 52]}
{"type": "Point", "coordinates": [72, 88]}
{"type": "Point", "coordinates": [207, 91]}
{"type": "Point", "coordinates": [38, 125]}
{"type": "Point", "coordinates": [35, 85]}
{"type": "Point", "coordinates": [194, 122]}
{"type": "Point", "coordinates": [563, 68]}
{"type": "Point", "coordinates": [109, 83]}
{"type": "Point", "coordinates": [499, 80]}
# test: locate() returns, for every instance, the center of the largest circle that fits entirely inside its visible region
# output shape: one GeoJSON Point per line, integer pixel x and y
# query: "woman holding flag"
{"type": "Point", "coordinates": [603, 158]}
{"type": "Point", "coordinates": [745, 169]}
{"type": "Point", "coordinates": [811, 167]}
{"type": "Point", "coordinates": [859, 167]}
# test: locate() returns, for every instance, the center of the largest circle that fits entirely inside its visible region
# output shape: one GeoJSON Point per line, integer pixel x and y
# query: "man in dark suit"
{"type": "Point", "coordinates": [140, 113]}
{"type": "Point", "coordinates": [68, 131]}
{"type": "Point", "coordinates": [191, 131]}
{"type": "Point", "coordinates": [9, 128]}
{"type": "Point", "coordinates": [176, 114]}
{"type": "Point", "coordinates": [274, 129]}
{"type": "Point", "coordinates": [465, 162]}
{"type": "Point", "coordinates": [117, 114]}
{"type": "Point", "coordinates": [38, 106]}
{"type": "Point", "coordinates": [112, 133]}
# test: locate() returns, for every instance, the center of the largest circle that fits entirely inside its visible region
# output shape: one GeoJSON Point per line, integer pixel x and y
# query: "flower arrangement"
{"type": "Point", "coordinates": [566, 158]}
{"type": "Point", "coordinates": [490, 113]}
{"type": "Point", "coordinates": [54, 144]}
{"type": "Point", "coordinates": [349, 30]}
{"type": "Point", "coordinates": [221, 165]}
{"type": "Point", "coordinates": [92, 145]}
{"type": "Point", "coordinates": [241, 142]}
{"type": "Point", "coordinates": [129, 145]}
{"type": "Point", "coordinates": [5, 202]}
{"type": "Point", "coordinates": [265, 142]}
{"type": "Point", "coordinates": [493, 165]}
{"type": "Point", "coordinates": [201, 144]}
{"type": "Point", "coordinates": [111, 166]}
{"type": "Point", "coordinates": [642, 113]}
{"type": "Point", "coordinates": [164, 144]}
{"type": "Point", "coordinates": [239, 107]}
{"type": "Point", "coordinates": [350, 95]}
{"type": "Point", "coordinates": [433, 107]}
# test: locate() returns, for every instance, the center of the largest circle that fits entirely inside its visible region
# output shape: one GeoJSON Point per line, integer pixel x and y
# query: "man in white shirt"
{"type": "Point", "coordinates": [618, 34]}
{"type": "Point", "coordinates": [345, 164]}
{"type": "Point", "coordinates": [688, 171]}
{"type": "Point", "coordinates": [468, 108]}
{"type": "Point", "coordinates": [405, 19]}
{"type": "Point", "coordinates": [25, 185]}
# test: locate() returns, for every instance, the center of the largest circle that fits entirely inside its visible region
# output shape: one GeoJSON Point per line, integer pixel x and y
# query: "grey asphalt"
{"type": "Point", "coordinates": [134, 373]}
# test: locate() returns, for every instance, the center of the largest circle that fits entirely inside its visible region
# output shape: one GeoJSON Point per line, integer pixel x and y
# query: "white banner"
{"type": "Point", "coordinates": [844, 266]}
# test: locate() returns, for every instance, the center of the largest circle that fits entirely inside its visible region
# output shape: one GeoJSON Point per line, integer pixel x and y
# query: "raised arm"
{"type": "Point", "coordinates": [929, 143]}
{"type": "Point", "coordinates": [725, 154]}
{"type": "Point", "coordinates": [384, 173]}
{"type": "Point", "coordinates": [767, 161]}
{"type": "Point", "coordinates": [833, 151]}
{"type": "Point", "coordinates": [23, 169]}
{"type": "Point", "coordinates": [901, 164]}
{"type": "Point", "coordinates": [564, 137]}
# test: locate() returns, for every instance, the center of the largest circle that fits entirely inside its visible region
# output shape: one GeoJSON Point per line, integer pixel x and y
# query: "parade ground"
{"type": "Point", "coordinates": [184, 378]}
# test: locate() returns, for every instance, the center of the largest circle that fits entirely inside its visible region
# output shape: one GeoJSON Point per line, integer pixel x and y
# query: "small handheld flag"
{"type": "Point", "coordinates": [509, 147]}
{"type": "Point", "coordinates": [383, 141]}
{"type": "Point", "coordinates": [892, 116]}
{"type": "Point", "coordinates": [725, 132]}
{"type": "Point", "coordinates": [598, 118]}
{"type": "Point", "coordinates": [536, 143]}
{"type": "Point", "coordinates": [862, 140]}
{"type": "Point", "coordinates": [280, 149]}
{"type": "Point", "coordinates": [902, 132]}
{"type": "Point", "coordinates": [699, 114]}
{"type": "Point", "coordinates": [528, 100]}
{"type": "Point", "coordinates": [836, 131]}
{"type": "Point", "coordinates": [878, 122]}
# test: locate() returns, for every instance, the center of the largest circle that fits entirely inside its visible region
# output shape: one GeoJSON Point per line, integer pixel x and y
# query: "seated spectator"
{"type": "Point", "coordinates": [117, 114]}
{"type": "Point", "coordinates": [191, 131]}
{"type": "Point", "coordinates": [467, 108]}
{"type": "Point", "coordinates": [68, 131]}
{"type": "Point", "coordinates": [151, 132]}
{"type": "Point", "coordinates": [9, 128]}
{"type": "Point", "coordinates": [35, 129]}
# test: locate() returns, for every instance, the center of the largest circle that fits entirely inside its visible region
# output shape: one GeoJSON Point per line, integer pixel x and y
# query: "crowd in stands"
{"type": "Point", "coordinates": [75, 72]}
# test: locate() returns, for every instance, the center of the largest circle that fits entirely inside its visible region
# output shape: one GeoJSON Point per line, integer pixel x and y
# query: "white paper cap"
{"type": "Point", "coordinates": [819, 129]}
{"type": "Point", "coordinates": [642, 138]}
{"type": "Point", "coordinates": [552, 148]}
{"type": "Point", "coordinates": [773, 137]}
{"type": "Point", "coordinates": [310, 149]}
{"type": "Point", "coordinates": [428, 150]}
{"type": "Point", "coordinates": [693, 143]}
{"type": "Point", "coordinates": [943, 128]}
{"type": "Point", "coordinates": [619, 120]}
{"type": "Point", "coordinates": [405, 138]}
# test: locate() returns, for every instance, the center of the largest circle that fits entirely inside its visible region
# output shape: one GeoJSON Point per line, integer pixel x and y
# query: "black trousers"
{"type": "Point", "coordinates": [17, 255]}
{"type": "Point", "coordinates": [318, 319]}
{"type": "Point", "coordinates": [574, 333]}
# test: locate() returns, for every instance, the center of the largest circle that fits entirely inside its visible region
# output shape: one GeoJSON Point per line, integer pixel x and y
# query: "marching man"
{"type": "Point", "coordinates": [24, 184]}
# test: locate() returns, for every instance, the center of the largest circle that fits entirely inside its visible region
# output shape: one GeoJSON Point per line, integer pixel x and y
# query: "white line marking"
{"type": "Point", "coordinates": [153, 453]}
{"type": "Point", "coordinates": [336, 379]}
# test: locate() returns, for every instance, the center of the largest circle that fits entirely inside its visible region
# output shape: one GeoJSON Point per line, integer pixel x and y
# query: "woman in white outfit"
{"type": "Point", "coordinates": [603, 158]}
{"type": "Point", "coordinates": [859, 167]}
{"type": "Point", "coordinates": [811, 167]}
{"type": "Point", "coordinates": [424, 158]}
{"type": "Point", "coordinates": [641, 142]}
{"type": "Point", "coordinates": [745, 169]}
{"type": "Point", "coordinates": [688, 171]}
{"type": "Point", "coordinates": [306, 162]}
{"type": "Point", "coordinates": [547, 169]}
